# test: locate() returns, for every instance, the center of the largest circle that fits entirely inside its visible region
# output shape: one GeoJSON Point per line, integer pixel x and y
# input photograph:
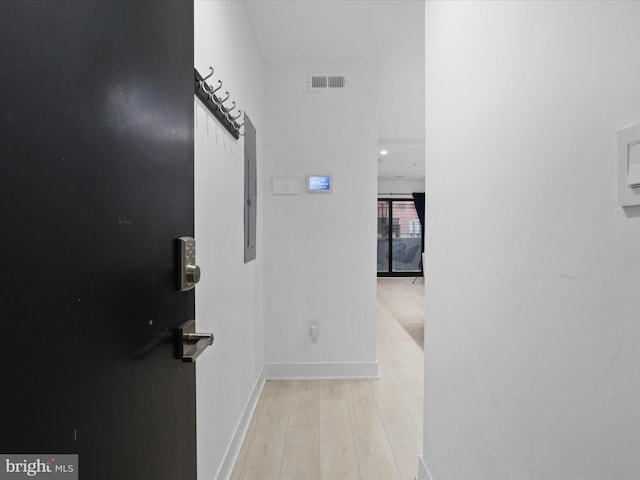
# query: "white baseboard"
{"type": "Point", "coordinates": [231, 455]}
{"type": "Point", "coordinates": [327, 371]}
{"type": "Point", "coordinates": [423, 470]}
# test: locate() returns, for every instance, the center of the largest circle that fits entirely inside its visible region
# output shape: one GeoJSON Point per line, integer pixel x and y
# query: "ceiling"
{"type": "Point", "coordinates": [386, 33]}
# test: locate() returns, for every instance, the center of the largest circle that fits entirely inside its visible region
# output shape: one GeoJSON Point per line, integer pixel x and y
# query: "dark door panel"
{"type": "Point", "coordinates": [96, 183]}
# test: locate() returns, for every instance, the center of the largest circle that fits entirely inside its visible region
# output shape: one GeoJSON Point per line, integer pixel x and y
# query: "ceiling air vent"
{"type": "Point", "coordinates": [323, 82]}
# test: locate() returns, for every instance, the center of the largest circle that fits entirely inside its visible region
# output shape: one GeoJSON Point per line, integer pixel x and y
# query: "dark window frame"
{"type": "Point", "coordinates": [391, 234]}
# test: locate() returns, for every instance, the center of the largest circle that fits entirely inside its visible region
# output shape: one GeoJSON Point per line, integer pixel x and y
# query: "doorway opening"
{"type": "Point", "coordinates": [399, 238]}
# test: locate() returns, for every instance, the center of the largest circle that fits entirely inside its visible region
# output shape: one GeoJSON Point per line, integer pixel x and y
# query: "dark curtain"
{"type": "Point", "coordinates": [418, 200]}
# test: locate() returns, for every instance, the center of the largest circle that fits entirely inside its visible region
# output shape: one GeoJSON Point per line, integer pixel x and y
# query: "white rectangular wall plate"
{"type": "Point", "coordinates": [285, 184]}
{"type": "Point", "coordinates": [629, 166]}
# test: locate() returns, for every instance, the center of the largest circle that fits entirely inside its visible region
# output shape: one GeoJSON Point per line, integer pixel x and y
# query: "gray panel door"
{"type": "Point", "coordinates": [250, 191]}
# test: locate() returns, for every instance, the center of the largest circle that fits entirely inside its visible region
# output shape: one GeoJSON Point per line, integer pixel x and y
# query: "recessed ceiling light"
{"type": "Point", "coordinates": [383, 152]}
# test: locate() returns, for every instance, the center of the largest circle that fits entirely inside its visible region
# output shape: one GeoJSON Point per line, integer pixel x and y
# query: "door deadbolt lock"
{"type": "Point", "coordinates": [193, 274]}
{"type": "Point", "coordinates": [189, 271]}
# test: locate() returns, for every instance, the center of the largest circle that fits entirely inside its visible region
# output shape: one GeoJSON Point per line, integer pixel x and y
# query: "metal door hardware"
{"type": "Point", "coordinates": [190, 343]}
{"type": "Point", "coordinates": [189, 271]}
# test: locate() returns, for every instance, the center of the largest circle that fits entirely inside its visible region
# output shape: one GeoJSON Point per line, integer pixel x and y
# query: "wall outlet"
{"type": "Point", "coordinates": [314, 329]}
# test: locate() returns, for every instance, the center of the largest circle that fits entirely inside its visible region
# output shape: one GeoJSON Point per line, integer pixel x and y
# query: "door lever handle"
{"type": "Point", "coordinates": [190, 343]}
{"type": "Point", "coordinates": [195, 337]}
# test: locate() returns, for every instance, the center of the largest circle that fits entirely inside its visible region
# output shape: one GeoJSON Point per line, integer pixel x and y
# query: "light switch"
{"type": "Point", "coordinates": [629, 166]}
{"type": "Point", "coordinates": [633, 177]}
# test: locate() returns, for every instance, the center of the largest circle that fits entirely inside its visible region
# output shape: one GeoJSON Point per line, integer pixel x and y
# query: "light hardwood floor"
{"type": "Point", "coordinates": [348, 429]}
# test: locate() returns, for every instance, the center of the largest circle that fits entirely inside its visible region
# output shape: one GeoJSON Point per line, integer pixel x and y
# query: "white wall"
{"type": "Point", "coordinates": [406, 187]}
{"type": "Point", "coordinates": [533, 271]}
{"type": "Point", "coordinates": [320, 260]}
{"type": "Point", "coordinates": [229, 296]}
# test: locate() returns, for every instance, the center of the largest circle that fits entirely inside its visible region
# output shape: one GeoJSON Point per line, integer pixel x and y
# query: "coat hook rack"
{"type": "Point", "coordinates": [214, 104]}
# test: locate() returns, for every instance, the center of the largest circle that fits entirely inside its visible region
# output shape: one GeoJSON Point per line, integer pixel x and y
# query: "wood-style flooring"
{"type": "Point", "coordinates": [348, 429]}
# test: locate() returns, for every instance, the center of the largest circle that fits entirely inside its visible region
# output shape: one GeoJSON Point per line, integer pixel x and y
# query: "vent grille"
{"type": "Point", "coordinates": [318, 82]}
{"type": "Point", "coordinates": [323, 82]}
{"type": "Point", "coordinates": [336, 82]}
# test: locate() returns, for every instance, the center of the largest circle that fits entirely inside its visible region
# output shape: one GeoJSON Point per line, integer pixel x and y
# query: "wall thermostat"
{"type": "Point", "coordinates": [319, 183]}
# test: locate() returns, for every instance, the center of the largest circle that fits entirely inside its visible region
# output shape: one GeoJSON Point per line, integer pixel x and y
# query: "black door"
{"type": "Point", "coordinates": [96, 184]}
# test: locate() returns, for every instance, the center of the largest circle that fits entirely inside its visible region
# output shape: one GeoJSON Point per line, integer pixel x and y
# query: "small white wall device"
{"type": "Point", "coordinates": [629, 166]}
{"type": "Point", "coordinates": [319, 183]}
{"type": "Point", "coordinates": [285, 184]}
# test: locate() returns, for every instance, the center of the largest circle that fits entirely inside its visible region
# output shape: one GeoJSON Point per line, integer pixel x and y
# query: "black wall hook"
{"type": "Point", "coordinates": [202, 92]}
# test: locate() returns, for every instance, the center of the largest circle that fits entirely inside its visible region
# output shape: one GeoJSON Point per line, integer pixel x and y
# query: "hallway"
{"type": "Point", "coordinates": [354, 429]}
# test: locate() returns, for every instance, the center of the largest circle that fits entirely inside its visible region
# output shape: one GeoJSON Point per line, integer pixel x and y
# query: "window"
{"type": "Point", "coordinates": [399, 238]}
{"type": "Point", "coordinates": [414, 229]}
